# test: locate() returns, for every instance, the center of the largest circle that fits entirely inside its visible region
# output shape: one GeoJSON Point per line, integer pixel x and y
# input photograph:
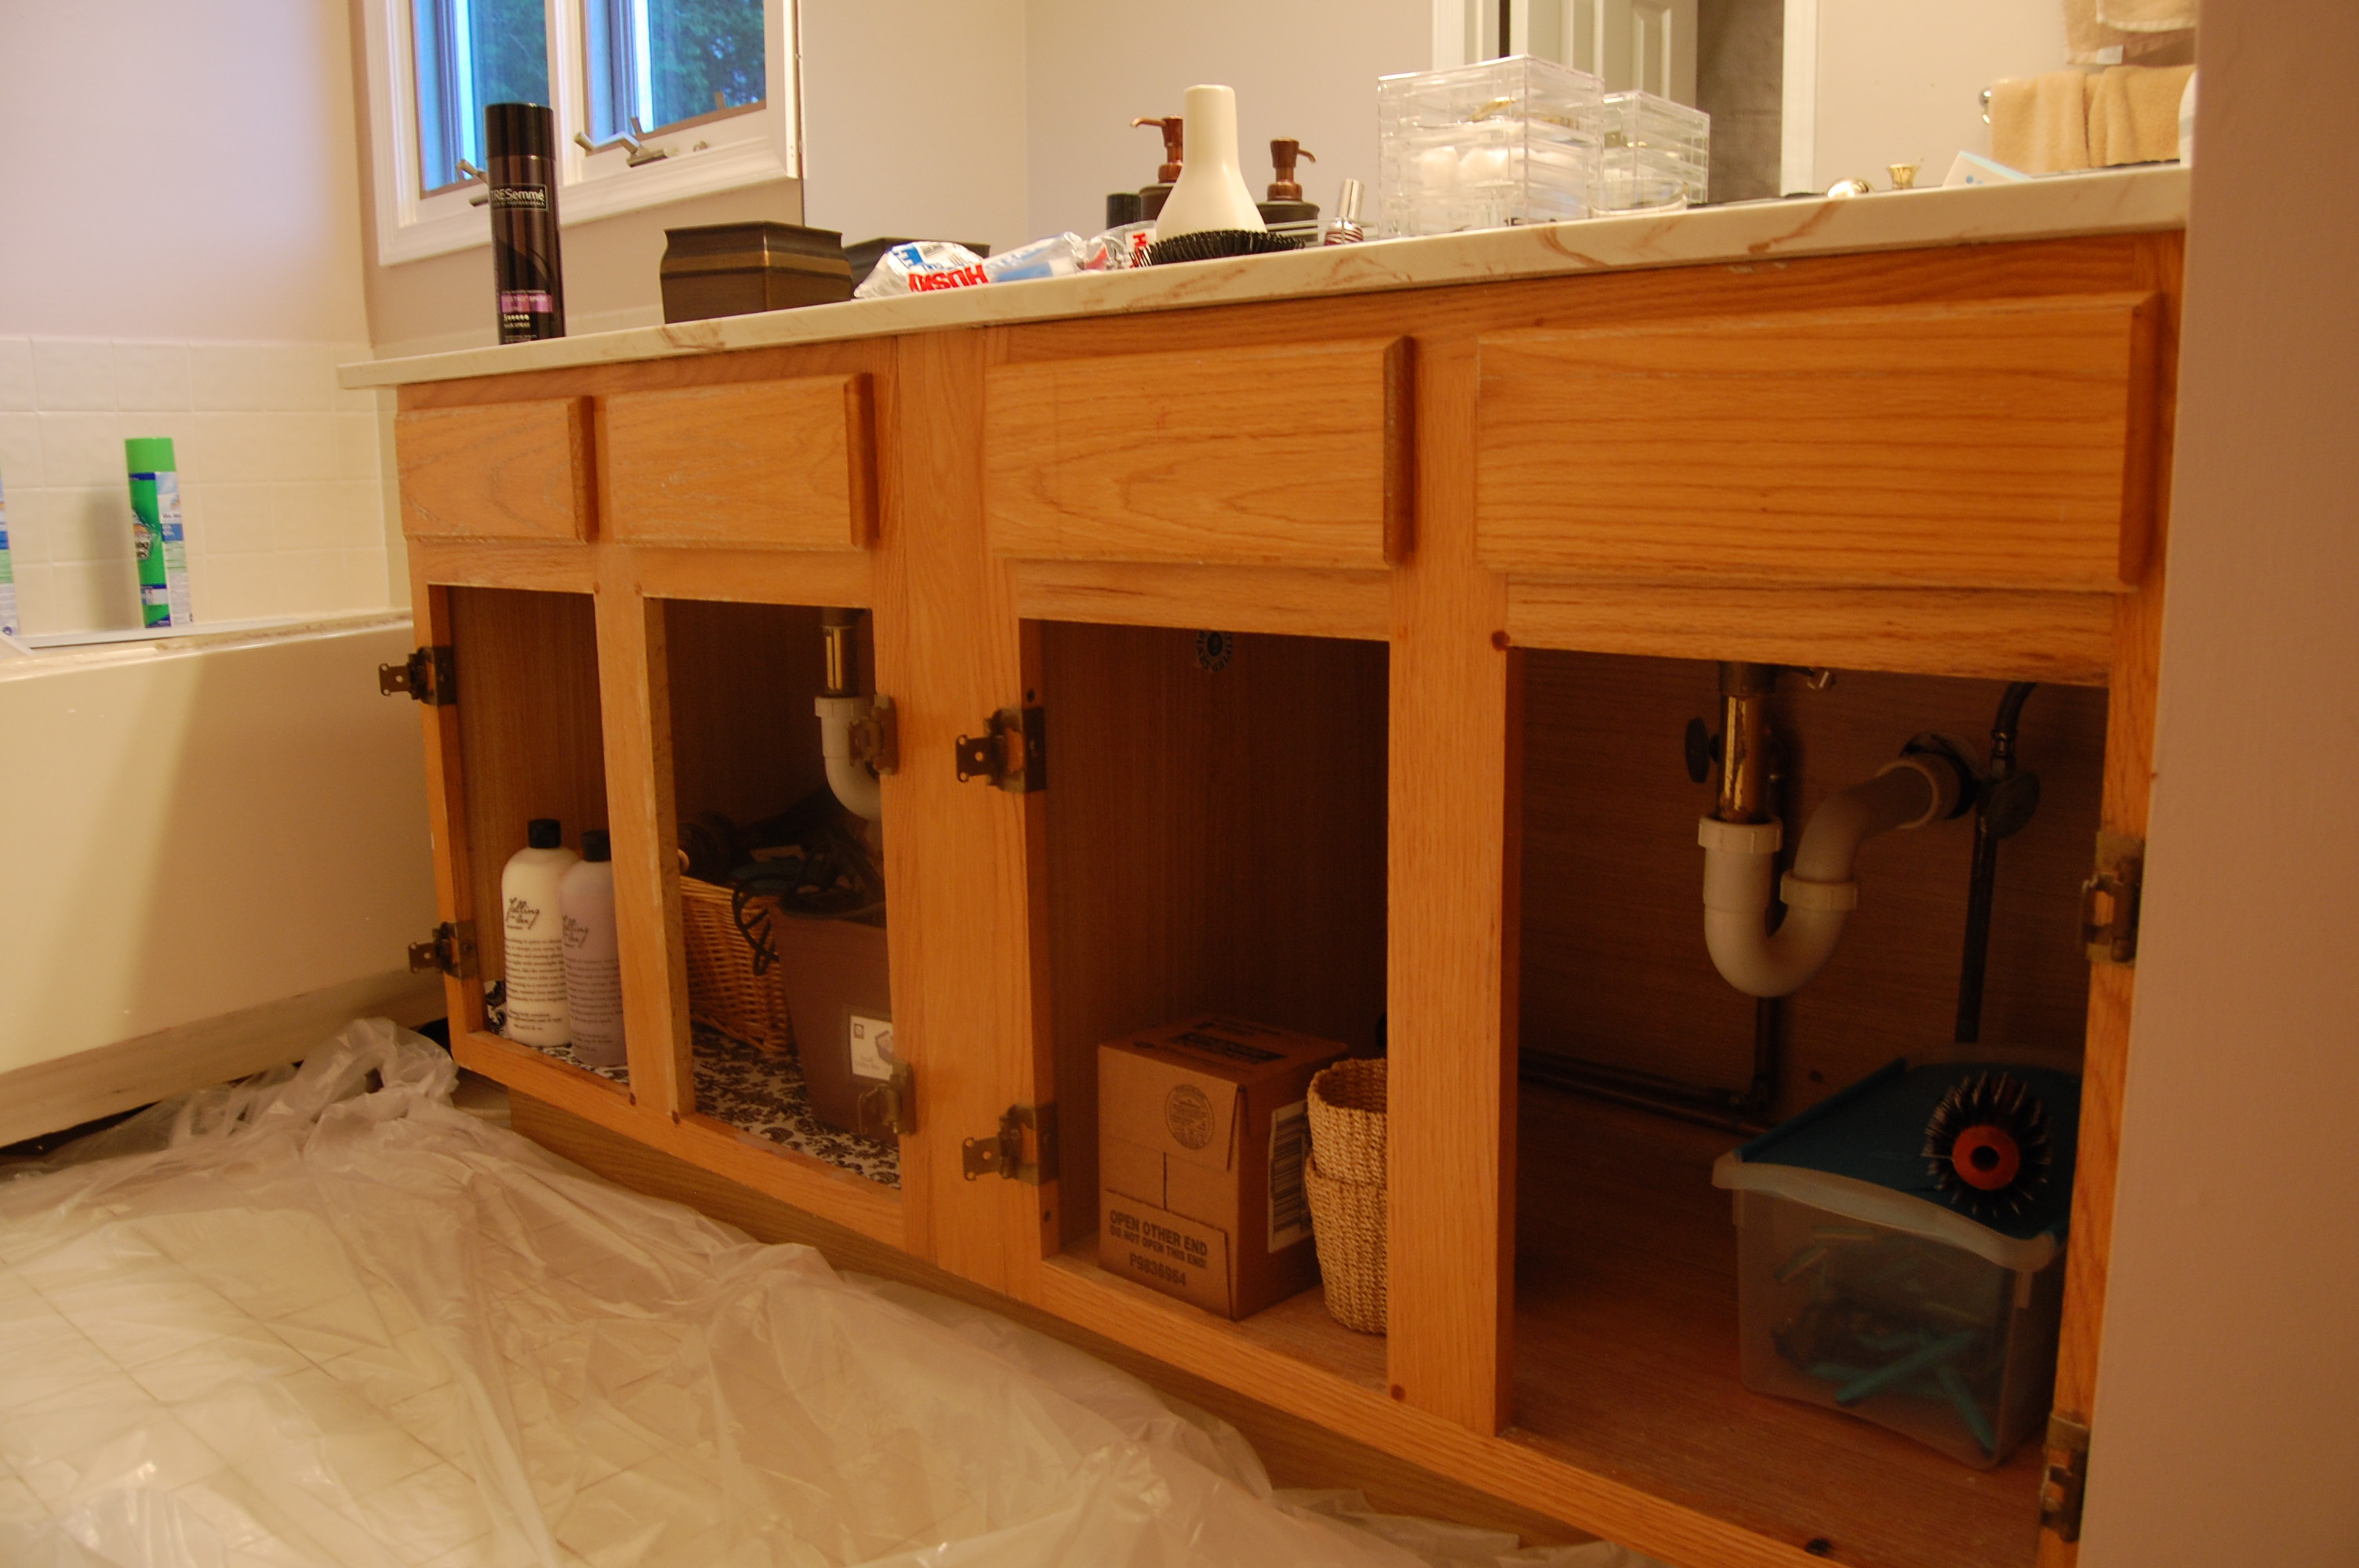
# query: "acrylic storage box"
{"type": "Point", "coordinates": [1482, 147]}
{"type": "Point", "coordinates": [1656, 154]}
{"type": "Point", "coordinates": [1900, 1251]}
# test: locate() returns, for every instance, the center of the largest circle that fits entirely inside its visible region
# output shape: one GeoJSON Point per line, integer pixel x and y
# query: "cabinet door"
{"type": "Point", "coordinates": [495, 470]}
{"type": "Point", "coordinates": [1996, 444]}
{"type": "Point", "coordinates": [776, 464]}
{"type": "Point", "coordinates": [1289, 455]}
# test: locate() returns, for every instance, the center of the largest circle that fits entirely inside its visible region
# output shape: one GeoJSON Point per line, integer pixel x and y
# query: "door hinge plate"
{"type": "Point", "coordinates": [450, 949]}
{"type": "Point", "coordinates": [2066, 1476]}
{"type": "Point", "coordinates": [2109, 900]}
{"type": "Point", "coordinates": [877, 737]}
{"type": "Point", "coordinates": [429, 674]}
{"type": "Point", "coordinates": [1002, 1154]}
{"type": "Point", "coordinates": [1012, 752]}
{"type": "Point", "coordinates": [890, 1108]}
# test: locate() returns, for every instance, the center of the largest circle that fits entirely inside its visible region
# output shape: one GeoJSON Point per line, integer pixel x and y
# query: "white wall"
{"type": "Point", "coordinates": [1899, 81]}
{"type": "Point", "coordinates": [2227, 1411]}
{"type": "Point", "coordinates": [1305, 69]}
{"type": "Point", "coordinates": [913, 119]}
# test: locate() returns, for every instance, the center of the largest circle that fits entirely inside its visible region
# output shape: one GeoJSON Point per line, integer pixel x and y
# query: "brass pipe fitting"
{"type": "Point", "coordinates": [1744, 691]}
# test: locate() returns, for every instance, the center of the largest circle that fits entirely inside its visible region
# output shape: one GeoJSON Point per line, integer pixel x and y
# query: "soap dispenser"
{"type": "Point", "coordinates": [1210, 194]}
{"type": "Point", "coordinates": [1286, 204]}
{"type": "Point", "coordinates": [1151, 197]}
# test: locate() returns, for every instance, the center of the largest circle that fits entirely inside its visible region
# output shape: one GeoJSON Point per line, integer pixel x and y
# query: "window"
{"type": "Point", "coordinates": [654, 101]}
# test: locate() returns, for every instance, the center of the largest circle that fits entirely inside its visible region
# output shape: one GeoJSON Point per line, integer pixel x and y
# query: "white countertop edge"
{"type": "Point", "coordinates": [2123, 202]}
{"type": "Point", "coordinates": [198, 639]}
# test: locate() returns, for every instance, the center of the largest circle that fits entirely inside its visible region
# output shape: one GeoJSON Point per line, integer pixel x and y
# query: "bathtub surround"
{"type": "Point", "coordinates": [280, 477]}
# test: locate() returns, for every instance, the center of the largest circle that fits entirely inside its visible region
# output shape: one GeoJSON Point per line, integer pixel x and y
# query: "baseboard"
{"type": "Point", "coordinates": [70, 1090]}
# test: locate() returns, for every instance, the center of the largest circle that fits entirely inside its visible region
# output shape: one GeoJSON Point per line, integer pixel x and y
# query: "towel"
{"type": "Point", "coordinates": [2113, 32]}
{"type": "Point", "coordinates": [2040, 124]}
{"type": "Point", "coordinates": [2133, 114]}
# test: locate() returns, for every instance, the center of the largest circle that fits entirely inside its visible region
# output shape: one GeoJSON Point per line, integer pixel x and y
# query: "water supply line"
{"type": "Point", "coordinates": [840, 708]}
{"type": "Point", "coordinates": [1740, 841]}
{"type": "Point", "coordinates": [2005, 802]}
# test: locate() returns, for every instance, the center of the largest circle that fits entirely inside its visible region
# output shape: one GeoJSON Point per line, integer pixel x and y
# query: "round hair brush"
{"type": "Point", "coordinates": [1209, 244]}
{"type": "Point", "coordinates": [1986, 1146]}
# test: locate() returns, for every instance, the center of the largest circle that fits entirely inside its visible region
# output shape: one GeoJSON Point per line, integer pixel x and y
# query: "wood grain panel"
{"type": "Point", "coordinates": [1309, 602]}
{"type": "Point", "coordinates": [1283, 455]}
{"type": "Point", "coordinates": [779, 464]}
{"type": "Point", "coordinates": [2066, 638]}
{"type": "Point", "coordinates": [756, 577]}
{"type": "Point", "coordinates": [495, 470]}
{"type": "Point", "coordinates": [1993, 444]}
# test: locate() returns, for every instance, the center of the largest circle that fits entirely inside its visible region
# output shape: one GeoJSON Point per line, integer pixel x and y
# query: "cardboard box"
{"type": "Point", "coordinates": [1202, 1137]}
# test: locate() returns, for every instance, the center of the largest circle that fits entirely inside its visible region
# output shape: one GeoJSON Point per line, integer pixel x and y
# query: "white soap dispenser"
{"type": "Point", "coordinates": [1212, 193]}
{"type": "Point", "coordinates": [594, 962]}
{"type": "Point", "coordinates": [530, 932]}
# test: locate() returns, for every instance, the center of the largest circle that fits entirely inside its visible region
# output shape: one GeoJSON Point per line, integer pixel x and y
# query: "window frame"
{"type": "Point", "coordinates": [707, 153]}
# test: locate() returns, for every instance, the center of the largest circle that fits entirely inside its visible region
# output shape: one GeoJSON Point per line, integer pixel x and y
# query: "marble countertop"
{"type": "Point", "coordinates": [2125, 201]}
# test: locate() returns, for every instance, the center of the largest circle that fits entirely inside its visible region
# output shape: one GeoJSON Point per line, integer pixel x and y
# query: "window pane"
{"type": "Point", "coordinates": [663, 62]}
{"type": "Point", "coordinates": [471, 53]}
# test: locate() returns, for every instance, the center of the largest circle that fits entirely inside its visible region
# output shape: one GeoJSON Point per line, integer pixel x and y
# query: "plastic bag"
{"type": "Point", "coordinates": [923, 266]}
{"type": "Point", "coordinates": [322, 1317]}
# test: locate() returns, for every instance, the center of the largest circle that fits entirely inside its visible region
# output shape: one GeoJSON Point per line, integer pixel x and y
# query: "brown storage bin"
{"type": "Point", "coordinates": [739, 269]}
{"type": "Point", "coordinates": [834, 972]}
{"type": "Point", "coordinates": [723, 991]}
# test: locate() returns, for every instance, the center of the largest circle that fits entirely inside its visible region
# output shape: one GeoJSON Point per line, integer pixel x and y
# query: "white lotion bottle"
{"type": "Point", "coordinates": [529, 930]}
{"type": "Point", "coordinates": [593, 963]}
{"type": "Point", "coordinates": [1212, 193]}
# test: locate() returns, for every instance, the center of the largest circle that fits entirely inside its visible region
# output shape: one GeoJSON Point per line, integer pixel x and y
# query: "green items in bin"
{"type": "Point", "coordinates": [157, 534]}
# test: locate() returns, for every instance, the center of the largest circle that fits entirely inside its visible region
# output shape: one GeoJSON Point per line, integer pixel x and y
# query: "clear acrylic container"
{"type": "Point", "coordinates": [1486, 146]}
{"type": "Point", "coordinates": [1656, 154]}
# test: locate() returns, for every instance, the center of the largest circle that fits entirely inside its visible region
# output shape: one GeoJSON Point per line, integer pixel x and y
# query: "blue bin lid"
{"type": "Point", "coordinates": [1860, 1152]}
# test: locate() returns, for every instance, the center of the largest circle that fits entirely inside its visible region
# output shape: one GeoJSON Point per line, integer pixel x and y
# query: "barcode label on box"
{"type": "Point", "coordinates": [1289, 1202]}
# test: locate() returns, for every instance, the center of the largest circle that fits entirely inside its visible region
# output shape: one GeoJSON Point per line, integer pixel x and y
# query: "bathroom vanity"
{"type": "Point", "coordinates": [1480, 514]}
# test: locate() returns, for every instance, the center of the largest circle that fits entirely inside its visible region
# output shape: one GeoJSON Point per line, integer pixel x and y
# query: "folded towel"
{"type": "Point", "coordinates": [2093, 37]}
{"type": "Point", "coordinates": [2040, 124]}
{"type": "Point", "coordinates": [2147, 15]}
{"type": "Point", "coordinates": [2133, 114]}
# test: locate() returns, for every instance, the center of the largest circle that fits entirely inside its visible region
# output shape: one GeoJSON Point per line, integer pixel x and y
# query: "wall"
{"type": "Point", "coordinates": [1305, 69]}
{"type": "Point", "coordinates": [1899, 81]}
{"type": "Point", "coordinates": [2227, 1411]}
{"type": "Point", "coordinates": [191, 269]}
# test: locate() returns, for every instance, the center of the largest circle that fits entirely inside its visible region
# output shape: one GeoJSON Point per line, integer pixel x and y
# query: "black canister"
{"type": "Point", "coordinates": [520, 156]}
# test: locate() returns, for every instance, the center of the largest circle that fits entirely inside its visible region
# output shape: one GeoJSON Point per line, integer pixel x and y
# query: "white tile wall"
{"type": "Point", "coordinates": [280, 479]}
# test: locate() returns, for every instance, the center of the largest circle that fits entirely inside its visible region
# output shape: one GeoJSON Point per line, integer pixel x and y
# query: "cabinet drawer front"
{"type": "Point", "coordinates": [495, 470]}
{"type": "Point", "coordinates": [777, 464]}
{"type": "Point", "coordinates": [2000, 444]}
{"type": "Point", "coordinates": [1284, 456]}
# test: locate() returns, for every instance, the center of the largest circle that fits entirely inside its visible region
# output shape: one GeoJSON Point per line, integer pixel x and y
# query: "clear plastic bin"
{"type": "Point", "coordinates": [1656, 154]}
{"type": "Point", "coordinates": [1868, 1283]}
{"type": "Point", "coordinates": [1486, 146]}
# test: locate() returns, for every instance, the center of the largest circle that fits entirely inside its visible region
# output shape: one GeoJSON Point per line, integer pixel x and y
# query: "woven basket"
{"type": "Point", "coordinates": [723, 991]}
{"type": "Point", "coordinates": [1346, 1177]}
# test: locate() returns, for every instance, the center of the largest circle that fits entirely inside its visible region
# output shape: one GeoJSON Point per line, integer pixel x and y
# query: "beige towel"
{"type": "Point", "coordinates": [2040, 124]}
{"type": "Point", "coordinates": [2133, 114]}
{"type": "Point", "coordinates": [2093, 35]}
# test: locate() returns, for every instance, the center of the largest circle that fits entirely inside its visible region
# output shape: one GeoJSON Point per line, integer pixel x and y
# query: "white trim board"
{"type": "Point", "coordinates": [1798, 118]}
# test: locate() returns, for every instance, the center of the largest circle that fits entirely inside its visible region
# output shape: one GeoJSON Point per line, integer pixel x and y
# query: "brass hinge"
{"type": "Point", "coordinates": [2109, 900]}
{"type": "Point", "coordinates": [1012, 752]}
{"type": "Point", "coordinates": [429, 674]}
{"type": "Point", "coordinates": [2066, 1478]}
{"type": "Point", "coordinates": [890, 1108]}
{"type": "Point", "coordinates": [450, 949]}
{"type": "Point", "coordinates": [877, 737]}
{"type": "Point", "coordinates": [1003, 1154]}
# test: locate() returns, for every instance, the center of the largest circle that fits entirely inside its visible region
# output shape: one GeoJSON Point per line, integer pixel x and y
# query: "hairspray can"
{"type": "Point", "coordinates": [520, 156]}
{"type": "Point", "coordinates": [155, 532]}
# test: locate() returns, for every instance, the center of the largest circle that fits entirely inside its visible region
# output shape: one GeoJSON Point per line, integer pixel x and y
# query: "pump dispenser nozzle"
{"type": "Point", "coordinates": [1283, 151]}
{"type": "Point", "coordinates": [1173, 128]}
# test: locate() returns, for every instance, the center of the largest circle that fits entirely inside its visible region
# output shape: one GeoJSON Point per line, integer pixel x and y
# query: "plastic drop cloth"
{"type": "Point", "coordinates": [321, 1317]}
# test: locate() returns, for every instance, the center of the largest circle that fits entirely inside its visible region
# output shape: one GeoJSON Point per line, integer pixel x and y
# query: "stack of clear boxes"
{"type": "Point", "coordinates": [1482, 147]}
{"type": "Point", "coordinates": [1656, 156]}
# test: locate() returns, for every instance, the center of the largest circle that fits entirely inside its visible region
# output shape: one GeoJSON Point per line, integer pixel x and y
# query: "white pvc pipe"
{"type": "Point", "coordinates": [853, 781]}
{"type": "Point", "coordinates": [1820, 891]}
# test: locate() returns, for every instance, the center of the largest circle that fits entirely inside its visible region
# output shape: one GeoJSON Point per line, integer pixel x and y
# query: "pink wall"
{"type": "Point", "coordinates": [2227, 1418]}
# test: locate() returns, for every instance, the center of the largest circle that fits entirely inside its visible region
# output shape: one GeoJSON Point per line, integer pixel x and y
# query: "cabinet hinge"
{"type": "Point", "coordinates": [2109, 900]}
{"type": "Point", "coordinates": [1002, 1154]}
{"type": "Point", "coordinates": [2066, 1478]}
{"type": "Point", "coordinates": [877, 737]}
{"type": "Point", "coordinates": [1012, 752]}
{"type": "Point", "coordinates": [450, 949]}
{"type": "Point", "coordinates": [429, 674]}
{"type": "Point", "coordinates": [889, 1108]}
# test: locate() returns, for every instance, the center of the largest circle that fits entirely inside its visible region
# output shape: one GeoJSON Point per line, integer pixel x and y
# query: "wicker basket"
{"type": "Point", "coordinates": [723, 991]}
{"type": "Point", "coordinates": [1347, 1181]}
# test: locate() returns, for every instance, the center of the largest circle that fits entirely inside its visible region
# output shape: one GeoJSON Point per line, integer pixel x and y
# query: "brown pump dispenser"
{"type": "Point", "coordinates": [1286, 204]}
{"type": "Point", "coordinates": [1152, 196]}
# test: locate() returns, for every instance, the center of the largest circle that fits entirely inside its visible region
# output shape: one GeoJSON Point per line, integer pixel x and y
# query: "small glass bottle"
{"type": "Point", "coordinates": [520, 156]}
{"type": "Point", "coordinates": [1346, 230]}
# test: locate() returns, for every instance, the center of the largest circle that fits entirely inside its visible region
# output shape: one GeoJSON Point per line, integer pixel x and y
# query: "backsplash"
{"type": "Point", "coordinates": [280, 479]}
